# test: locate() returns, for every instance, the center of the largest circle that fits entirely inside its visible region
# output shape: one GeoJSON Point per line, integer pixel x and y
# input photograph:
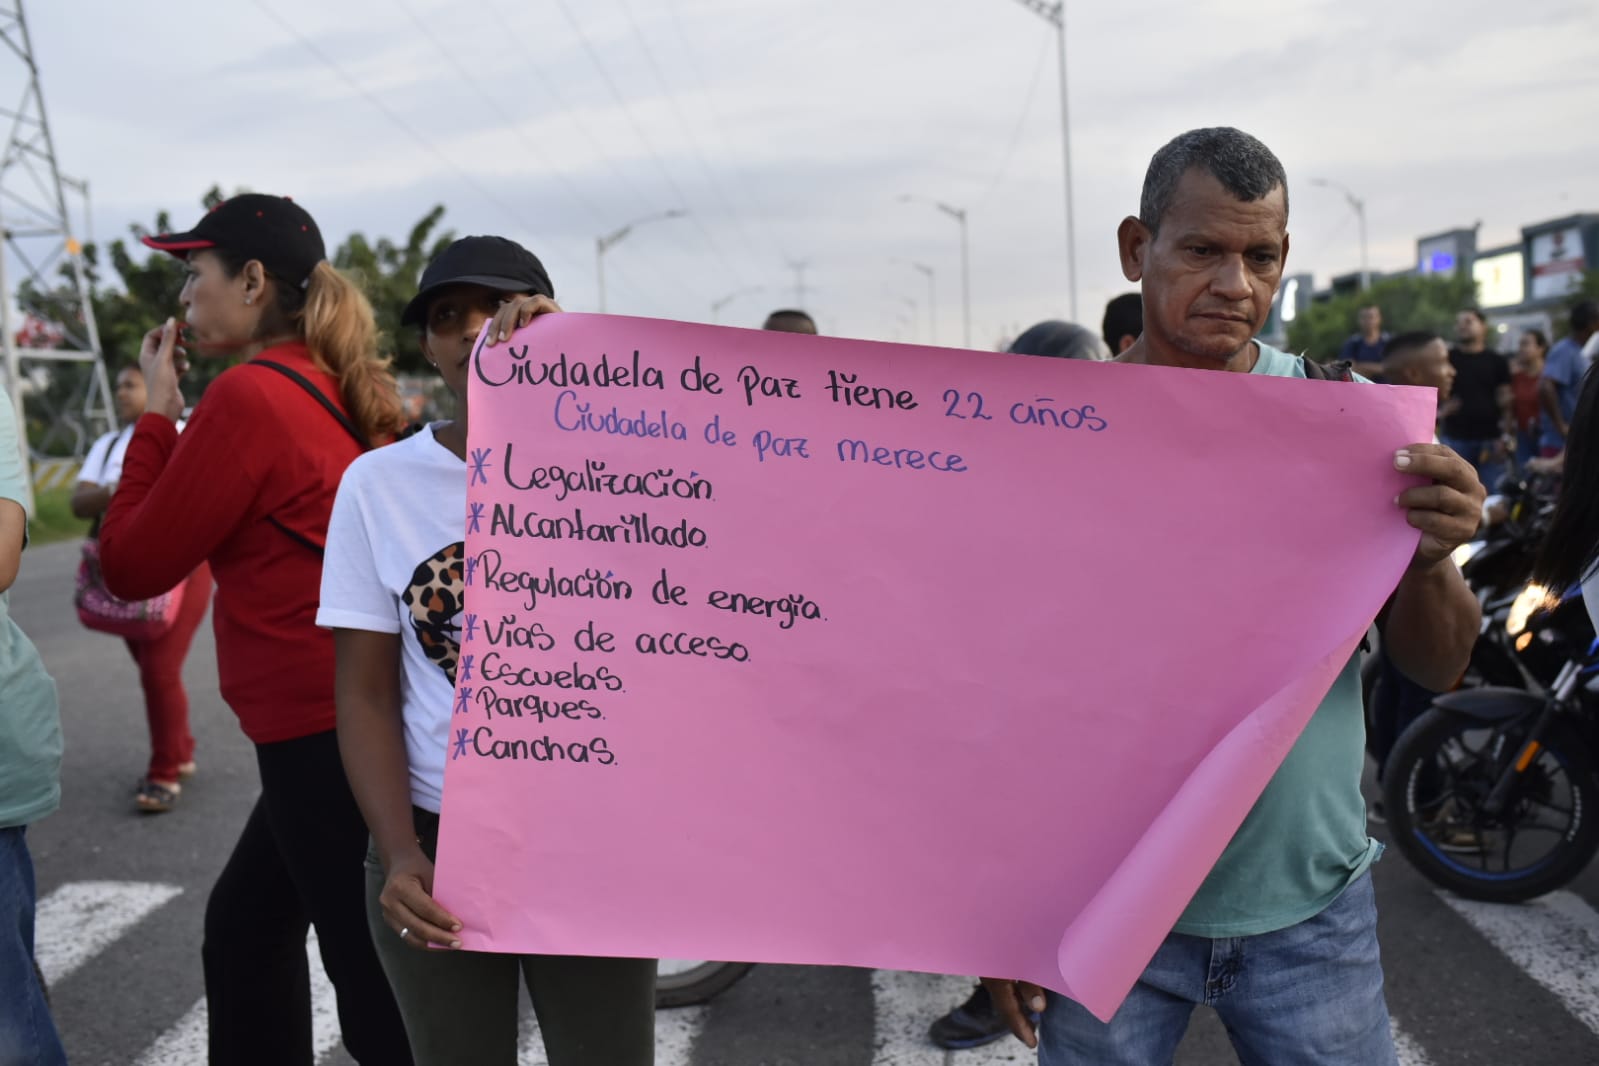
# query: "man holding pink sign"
{"type": "Point", "coordinates": [1281, 936]}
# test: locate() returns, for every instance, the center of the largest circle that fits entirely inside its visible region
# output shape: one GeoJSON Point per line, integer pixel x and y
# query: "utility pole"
{"type": "Point", "coordinates": [932, 328]}
{"type": "Point", "coordinates": [38, 236]}
{"type": "Point", "coordinates": [799, 266]}
{"type": "Point", "coordinates": [604, 244]}
{"type": "Point", "coordinates": [1357, 205]}
{"type": "Point", "coordinates": [1055, 15]}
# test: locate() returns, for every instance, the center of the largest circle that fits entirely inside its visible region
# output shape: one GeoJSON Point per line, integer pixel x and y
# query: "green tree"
{"type": "Point", "coordinates": [146, 290]}
{"type": "Point", "coordinates": [387, 272]}
{"type": "Point", "coordinates": [1408, 302]}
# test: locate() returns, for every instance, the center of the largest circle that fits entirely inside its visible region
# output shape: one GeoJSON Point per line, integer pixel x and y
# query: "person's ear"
{"type": "Point", "coordinates": [1282, 262]}
{"type": "Point", "coordinates": [254, 279]}
{"type": "Point", "coordinates": [1132, 241]}
{"type": "Point", "coordinates": [422, 342]}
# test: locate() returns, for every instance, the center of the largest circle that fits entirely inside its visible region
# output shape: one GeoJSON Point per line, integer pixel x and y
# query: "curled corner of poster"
{"type": "Point", "coordinates": [1105, 949]}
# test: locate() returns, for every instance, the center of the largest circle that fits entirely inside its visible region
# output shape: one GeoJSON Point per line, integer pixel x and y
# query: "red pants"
{"type": "Point", "coordinates": [166, 704]}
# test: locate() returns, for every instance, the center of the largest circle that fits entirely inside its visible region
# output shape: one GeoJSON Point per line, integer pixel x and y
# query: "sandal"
{"type": "Point", "coordinates": [186, 770]}
{"type": "Point", "coordinates": [153, 797]}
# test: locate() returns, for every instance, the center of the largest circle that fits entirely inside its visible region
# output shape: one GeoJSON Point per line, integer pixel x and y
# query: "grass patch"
{"type": "Point", "coordinates": [53, 518]}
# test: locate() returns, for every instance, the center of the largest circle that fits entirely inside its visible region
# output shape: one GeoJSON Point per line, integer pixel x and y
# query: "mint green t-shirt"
{"type": "Point", "coordinates": [1305, 839]}
{"type": "Point", "coordinates": [30, 722]}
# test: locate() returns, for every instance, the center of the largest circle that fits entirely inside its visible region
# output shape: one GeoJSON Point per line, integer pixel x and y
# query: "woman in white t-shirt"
{"type": "Point", "coordinates": [392, 593]}
{"type": "Point", "coordinates": [160, 661]}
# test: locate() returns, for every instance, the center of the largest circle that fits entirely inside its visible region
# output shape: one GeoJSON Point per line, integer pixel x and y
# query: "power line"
{"type": "Point", "coordinates": [394, 117]}
{"type": "Point", "coordinates": [691, 54]}
{"type": "Point", "coordinates": [600, 221]}
{"type": "Point", "coordinates": [693, 142]}
{"type": "Point", "coordinates": [1021, 122]}
{"type": "Point", "coordinates": [627, 112]}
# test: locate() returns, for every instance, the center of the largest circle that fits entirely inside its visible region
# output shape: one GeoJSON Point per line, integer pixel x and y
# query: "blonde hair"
{"type": "Point", "coordinates": [342, 334]}
{"type": "Point", "coordinates": [334, 318]}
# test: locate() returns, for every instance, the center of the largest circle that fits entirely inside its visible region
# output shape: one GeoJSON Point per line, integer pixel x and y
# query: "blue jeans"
{"type": "Point", "coordinates": [27, 1034]}
{"type": "Point", "coordinates": [1308, 995]}
{"type": "Point", "coordinates": [1479, 453]}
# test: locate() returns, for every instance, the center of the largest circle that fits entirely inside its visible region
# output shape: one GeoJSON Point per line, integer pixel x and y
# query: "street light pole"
{"type": "Point", "coordinates": [717, 305]}
{"type": "Point", "coordinates": [1055, 14]}
{"type": "Point", "coordinates": [798, 266]}
{"type": "Point", "coordinates": [959, 215]}
{"type": "Point", "coordinates": [932, 328]}
{"type": "Point", "coordinates": [1359, 207]}
{"type": "Point", "coordinates": [605, 243]}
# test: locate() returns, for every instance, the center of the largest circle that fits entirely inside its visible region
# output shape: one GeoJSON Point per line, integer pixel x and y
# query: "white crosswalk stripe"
{"type": "Point", "coordinates": [1555, 940]}
{"type": "Point", "coordinates": [79, 920]}
{"type": "Point", "coordinates": [185, 1043]}
{"type": "Point", "coordinates": [1410, 1052]}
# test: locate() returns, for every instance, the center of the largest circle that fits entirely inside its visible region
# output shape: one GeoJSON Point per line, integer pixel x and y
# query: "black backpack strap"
{"type": "Point", "coordinates": [332, 409]}
{"type": "Point", "coordinates": [316, 394]}
{"type": "Point", "coordinates": [298, 538]}
{"type": "Point", "coordinates": [1336, 370]}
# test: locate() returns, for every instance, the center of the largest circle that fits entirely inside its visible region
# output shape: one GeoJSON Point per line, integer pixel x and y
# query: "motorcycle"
{"type": "Point", "coordinates": [686, 982]}
{"type": "Point", "coordinates": [1493, 793]}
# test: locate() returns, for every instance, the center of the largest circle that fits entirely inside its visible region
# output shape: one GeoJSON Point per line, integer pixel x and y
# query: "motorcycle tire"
{"type": "Point", "coordinates": [697, 983]}
{"type": "Point", "coordinates": [1415, 757]}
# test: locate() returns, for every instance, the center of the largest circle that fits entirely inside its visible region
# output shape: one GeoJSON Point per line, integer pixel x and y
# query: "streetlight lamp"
{"type": "Point", "coordinates": [1359, 207]}
{"type": "Point", "coordinates": [1055, 14]}
{"type": "Point", "coordinates": [605, 243]}
{"type": "Point", "coordinates": [717, 305]}
{"type": "Point", "coordinates": [959, 215]}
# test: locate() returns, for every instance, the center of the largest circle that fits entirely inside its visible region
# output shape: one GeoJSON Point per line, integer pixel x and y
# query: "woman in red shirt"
{"type": "Point", "coordinates": [1526, 369]}
{"type": "Point", "coordinates": [249, 487]}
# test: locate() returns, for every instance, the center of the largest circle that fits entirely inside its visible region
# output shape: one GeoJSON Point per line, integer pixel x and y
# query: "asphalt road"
{"type": "Point", "coordinates": [124, 896]}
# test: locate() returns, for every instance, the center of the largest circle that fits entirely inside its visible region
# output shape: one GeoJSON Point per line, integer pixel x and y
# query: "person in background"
{"type": "Point", "coordinates": [789, 320]}
{"type": "Point", "coordinates": [1055, 339]}
{"type": "Point", "coordinates": [249, 487]}
{"type": "Point", "coordinates": [1124, 321]}
{"type": "Point", "coordinates": [1569, 554]}
{"type": "Point", "coordinates": [1420, 360]}
{"type": "Point", "coordinates": [1365, 347]}
{"type": "Point", "coordinates": [975, 1022]}
{"type": "Point", "coordinates": [1526, 400]}
{"type": "Point", "coordinates": [396, 541]}
{"type": "Point", "coordinates": [30, 781]}
{"type": "Point", "coordinates": [160, 661]}
{"type": "Point", "coordinates": [1562, 377]}
{"type": "Point", "coordinates": [1477, 419]}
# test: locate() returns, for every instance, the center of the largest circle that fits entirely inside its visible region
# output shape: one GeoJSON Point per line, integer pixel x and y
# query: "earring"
{"type": "Point", "coordinates": [249, 300]}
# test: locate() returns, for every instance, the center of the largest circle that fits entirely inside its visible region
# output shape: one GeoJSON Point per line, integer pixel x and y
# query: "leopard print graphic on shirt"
{"type": "Point", "coordinates": [435, 596]}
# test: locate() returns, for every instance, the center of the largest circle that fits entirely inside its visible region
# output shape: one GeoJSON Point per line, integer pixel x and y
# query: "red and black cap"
{"type": "Point", "coordinates": [493, 262]}
{"type": "Point", "coordinates": [274, 229]}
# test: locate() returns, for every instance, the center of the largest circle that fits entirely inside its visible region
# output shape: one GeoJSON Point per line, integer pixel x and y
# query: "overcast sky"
{"type": "Point", "coordinates": [790, 130]}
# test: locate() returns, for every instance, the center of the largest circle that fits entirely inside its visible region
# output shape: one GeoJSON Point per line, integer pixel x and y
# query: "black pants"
{"type": "Point", "coordinates": [1396, 702]}
{"type": "Point", "coordinates": [297, 864]}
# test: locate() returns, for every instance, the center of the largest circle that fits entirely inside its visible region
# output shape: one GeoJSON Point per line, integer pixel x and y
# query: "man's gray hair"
{"type": "Point", "coordinates": [1245, 167]}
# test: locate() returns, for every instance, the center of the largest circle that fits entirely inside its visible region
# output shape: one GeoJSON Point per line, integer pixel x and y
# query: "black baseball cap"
{"type": "Point", "coordinates": [493, 262]}
{"type": "Point", "coordinates": [274, 229]}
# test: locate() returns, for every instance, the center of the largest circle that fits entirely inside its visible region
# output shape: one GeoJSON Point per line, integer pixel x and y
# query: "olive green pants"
{"type": "Point", "coordinates": [460, 1007]}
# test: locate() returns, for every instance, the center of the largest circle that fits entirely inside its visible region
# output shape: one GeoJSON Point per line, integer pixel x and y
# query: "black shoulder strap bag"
{"type": "Point", "coordinates": [331, 408]}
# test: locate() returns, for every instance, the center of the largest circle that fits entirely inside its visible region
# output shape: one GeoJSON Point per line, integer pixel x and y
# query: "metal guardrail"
{"type": "Point", "coordinates": [55, 473]}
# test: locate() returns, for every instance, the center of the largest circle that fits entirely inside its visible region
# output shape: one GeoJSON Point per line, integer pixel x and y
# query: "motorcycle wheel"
{"type": "Point", "coordinates": [1441, 772]}
{"type": "Point", "coordinates": [686, 982]}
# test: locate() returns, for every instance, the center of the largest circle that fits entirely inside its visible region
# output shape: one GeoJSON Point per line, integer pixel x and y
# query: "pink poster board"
{"type": "Point", "coordinates": [758, 624]}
